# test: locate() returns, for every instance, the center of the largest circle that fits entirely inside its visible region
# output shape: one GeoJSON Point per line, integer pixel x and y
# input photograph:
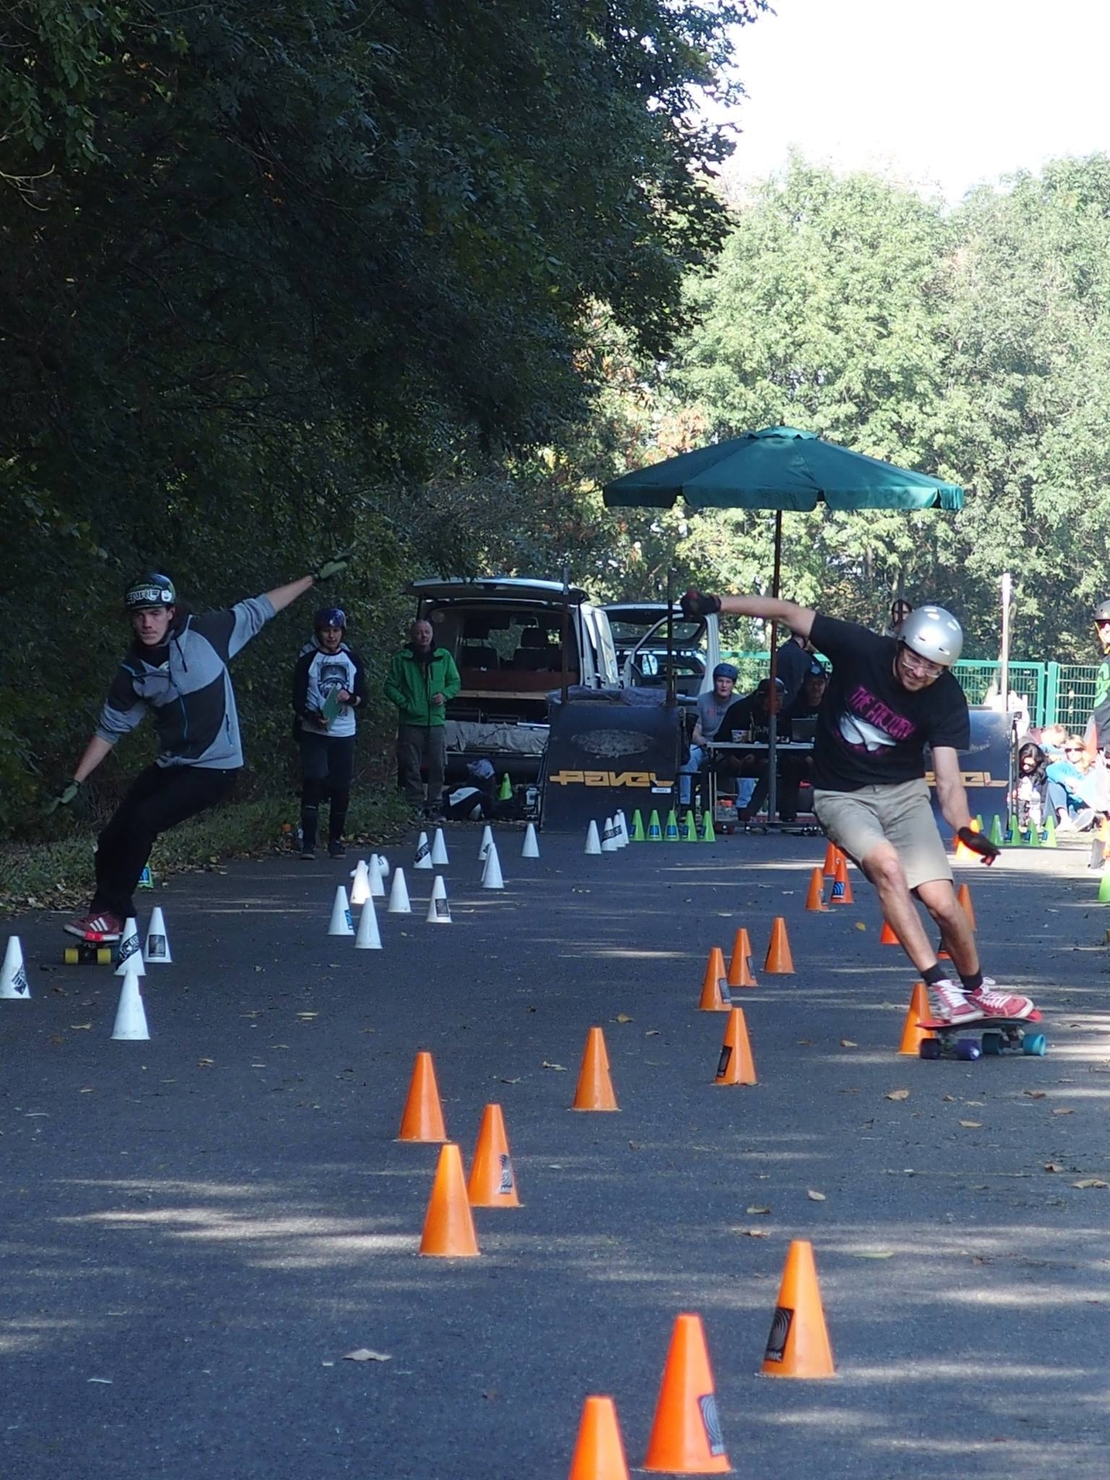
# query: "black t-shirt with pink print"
{"type": "Point", "coordinates": [870, 730]}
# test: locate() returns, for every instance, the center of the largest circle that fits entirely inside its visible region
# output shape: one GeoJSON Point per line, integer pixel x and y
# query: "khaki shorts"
{"type": "Point", "coordinates": [858, 821]}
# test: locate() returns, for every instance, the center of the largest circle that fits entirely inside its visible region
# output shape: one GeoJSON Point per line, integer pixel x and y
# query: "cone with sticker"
{"type": "Point", "coordinates": [492, 1183]}
{"type": "Point", "coordinates": [593, 840]}
{"type": "Point", "coordinates": [690, 828]}
{"type": "Point", "coordinates": [1013, 830]}
{"type": "Point", "coordinates": [341, 922]}
{"type": "Point", "coordinates": [156, 947]}
{"type": "Point", "coordinates": [13, 974]}
{"type": "Point", "coordinates": [798, 1345]}
{"type": "Point", "coordinates": [740, 972]}
{"type": "Point", "coordinates": [964, 854]}
{"type": "Point", "coordinates": [374, 876]}
{"type": "Point", "coordinates": [531, 847]}
{"type": "Point", "coordinates": [779, 961]}
{"type": "Point", "coordinates": [439, 850]}
{"type": "Point", "coordinates": [735, 1064]}
{"type": "Point", "coordinates": [917, 1013]}
{"type": "Point", "coordinates": [595, 1088]}
{"type": "Point", "coordinates": [963, 894]}
{"type": "Point", "coordinates": [449, 1223]}
{"type": "Point", "coordinates": [399, 903]}
{"type": "Point", "coordinates": [637, 828]}
{"type": "Point", "coordinates": [815, 897]}
{"type": "Point", "coordinates": [422, 1118]}
{"type": "Point", "coordinates": [129, 946]}
{"type": "Point", "coordinates": [491, 874]}
{"type": "Point", "coordinates": [708, 835]}
{"type": "Point", "coordinates": [368, 937]}
{"type": "Point", "coordinates": [1050, 830]}
{"type": "Point", "coordinates": [439, 910]}
{"type": "Point", "coordinates": [686, 1436]}
{"type": "Point", "coordinates": [670, 832]}
{"type": "Point", "coordinates": [887, 937]}
{"type": "Point", "coordinates": [623, 839]}
{"type": "Point", "coordinates": [654, 832]}
{"type": "Point", "coordinates": [1033, 840]}
{"type": "Point", "coordinates": [831, 853]}
{"type": "Point", "coordinates": [842, 887]}
{"type": "Point", "coordinates": [609, 842]}
{"type": "Point", "coordinates": [130, 1023]}
{"type": "Point", "coordinates": [599, 1452]}
{"type": "Point", "coordinates": [486, 844]}
{"type": "Point", "coordinates": [715, 995]}
{"type": "Point", "coordinates": [360, 884]}
{"type": "Point", "coordinates": [423, 858]}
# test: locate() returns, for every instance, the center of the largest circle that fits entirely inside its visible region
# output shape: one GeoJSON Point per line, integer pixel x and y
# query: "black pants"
{"type": "Point", "coordinates": [159, 798]}
{"type": "Point", "coordinates": [327, 764]}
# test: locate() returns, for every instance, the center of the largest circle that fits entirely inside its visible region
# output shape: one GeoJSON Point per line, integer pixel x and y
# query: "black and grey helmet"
{"type": "Point", "coordinates": [1102, 611]}
{"type": "Point", "coordinates": [150, 592]}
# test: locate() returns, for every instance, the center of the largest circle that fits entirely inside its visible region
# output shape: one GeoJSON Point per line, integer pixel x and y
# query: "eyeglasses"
{"type": "Point", "coordinates": [922, 665]}
{"type": "Point", "coordinates": [1073, 750]}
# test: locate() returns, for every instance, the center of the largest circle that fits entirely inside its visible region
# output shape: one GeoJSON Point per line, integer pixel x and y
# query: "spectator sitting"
{"type": "Point", "coordinates": [751, 715]}
{"type": "Point", "coordinates": [793, 768]}
{"type": "Point", "coordinates": [711, 707]}
{"type": "Point", "coordinates": [1051, 739]}
{"type": "Point", "coordinates": [1027, 800]}
{"type": "Point", "coordinates": [1069, 787]}
{"type": "Point", "coordinates": [475, 799]}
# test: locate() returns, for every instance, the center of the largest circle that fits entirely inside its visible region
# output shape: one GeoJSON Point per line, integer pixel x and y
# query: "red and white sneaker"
{"type": "Point", "coordinates": [1000, 1004]}
{"type": "Point", "coordinates": [96, 929]}
{"type": "Point", "coordinates": [948, 1003]}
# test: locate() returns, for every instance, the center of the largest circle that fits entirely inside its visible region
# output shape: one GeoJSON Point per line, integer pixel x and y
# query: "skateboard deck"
{"type": "Point", "coordinates": [985, 1038]}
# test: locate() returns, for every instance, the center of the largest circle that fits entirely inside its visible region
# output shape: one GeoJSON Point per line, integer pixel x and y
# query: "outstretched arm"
{"type": "Point", "coordinates": [282, 596]}
{"type": "Point", "coordinates": [767, 608]}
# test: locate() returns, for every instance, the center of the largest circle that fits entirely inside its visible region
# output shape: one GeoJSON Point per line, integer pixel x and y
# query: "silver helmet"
{"type": "Point", "coordinates": [933, 633]}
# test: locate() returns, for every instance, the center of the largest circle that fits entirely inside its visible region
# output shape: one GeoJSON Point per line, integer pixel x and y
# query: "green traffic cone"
{"type": "Point", "coordinates": [506, 792]}
{"type": "Point", "coordinates": [689, 828]}
{"type": "Point", "coordinates": [995, 834]}
{"type": "Point", "coordinates": [671, 834]}
{"type": "Point", "coordinates": [979, 821]}
{"type": "Point", "coordinates": [1104, 888]}
{"type": "Point", "coordinates": [707, 833]}
{"type": "Point", "coordinates": [146, 878]}
{"type": "Point", "coordinates": [637, 833]}
{"type": "Point", "coordinates": [1013, 836]}
{"type": "Point", "coordinates": [655, 834]}
{"type": "Point", "coordinates": [1050, 832]}
{"type": "Point", "coordinates": [1034, 836]}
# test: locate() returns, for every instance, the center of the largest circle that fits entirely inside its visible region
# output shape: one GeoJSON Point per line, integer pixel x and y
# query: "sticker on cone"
{"type": "Point", "coordinates": [815, 898]}
{"type": "Point", "coordinates": [599, 1452]}
{"type": "Point", "coordinates": [423, 858]}
{"type": "Point", "coordinates": [715, 994]}
{"type": "Point", "coordinates": [798, 1345]}
{"type": "Point", "coordinates": [486, 844]}
{"type": "Point", "coordinates": [842, 888]}
{"type": "Point", "coordinates": [449, 1223]}
{"type": "Point", "coordinates": [341, 922]}
{"type": "Point", "coordinates": [736, 1065]}
{"type": "Point", "coordinates": [156, 949]}
{"type": "Point", "coordinates": [13, 974]}
{"type": "Point", "coordinates": [129, 947]}
{"type": "Point", "coordinates": [491, 1183]}
{"type": "Point", "coordinates": [686, 1437]}
{"type": "Point", "coordinates": [422, 1119]}
{"type": "Point", "coordinates": [439, 911]}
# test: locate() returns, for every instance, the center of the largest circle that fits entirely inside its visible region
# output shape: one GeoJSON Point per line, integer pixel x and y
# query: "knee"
{"type": "Point", "coordinates": [884, 869]}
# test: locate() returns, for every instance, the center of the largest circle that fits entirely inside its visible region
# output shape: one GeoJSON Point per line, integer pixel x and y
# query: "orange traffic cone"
{"type": "Point", "coordinates": [736, 1065]}
{"type": "Point", "coordinates": [842, 888]}
{"type": "Point", "coordinates": [798, 1345]}
{"type": "Point", "coordinates": [963, 894]}
{"type": "Point", "coordinates": [686, 1436]}
{"type": "Point", "coordinates": [492, 1183]}
{"type": "Point", "coordinates": [595, 1088]}
{"type": "Point", "coordinates": [448, 1224]}
{"type": "Point", "coordinates": [815, 899]}
{"type": "Point", "coordinates": [599, 1453]}
{"type": "Point", "coordinates": [918, 1013]}
{"type": "Point", "coordinates": [887, 936]}
{"type": "Point", "coordinates": [831, 854]}
{"type": "Point", "coordinates": [740, 973]}
{"type": "Point", "coordinates": [779, 961]}
{"type": "Point", "coordinates": [423, 1117]}
{"type": "Point", "coordinates": [715, 995]}
{"type": "Point", "coordinates": [964, 854]}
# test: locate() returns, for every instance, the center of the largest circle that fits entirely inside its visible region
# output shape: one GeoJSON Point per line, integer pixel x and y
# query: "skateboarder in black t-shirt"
{"type": "Point", "coordinates": [888, 699]}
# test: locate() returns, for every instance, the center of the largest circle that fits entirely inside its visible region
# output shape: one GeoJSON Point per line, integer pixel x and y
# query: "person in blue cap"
{"type": "Point", "coordinates": [711, 708]}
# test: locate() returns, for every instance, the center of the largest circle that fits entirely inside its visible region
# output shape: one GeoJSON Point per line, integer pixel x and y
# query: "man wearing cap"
{"type": "Point", "coordinates": [711, 707]}
{"type": "Point", "coordinates": [888, 699]}
{"type": "Point", "coordinates": [175, 670]}
{"type": "Point", "coordinates": [329, 684]}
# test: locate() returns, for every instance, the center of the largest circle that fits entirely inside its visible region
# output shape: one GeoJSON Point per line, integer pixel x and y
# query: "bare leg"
{"type": "Point", "coordinates": [939, 898]}
{"type": "Point", "coordinates": [884, 869]}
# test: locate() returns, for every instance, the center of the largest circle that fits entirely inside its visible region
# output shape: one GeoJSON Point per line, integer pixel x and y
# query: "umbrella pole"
{"type": "Point", "coordinates": [772, 734]}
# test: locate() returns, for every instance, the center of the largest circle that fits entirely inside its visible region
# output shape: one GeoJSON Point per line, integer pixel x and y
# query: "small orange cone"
{"type": "Point", "coordinates": [736, 1065]}
{"type": "Point", "coordinates": [815, 899]}
{"type": "Point", "coordinates": [740, 973]}
{"type": "Point", "coordinates": [779, 961]}
{"type": "Point", "coordinates": [492, 1183]}
{"type": "Point", "coordinates": [448, 1224]}
{"type": "Point", "coordinates": [423, 1117]}
{"type": "Point", "coordinates": [715, 995]}
{"type": "Point", "coordinates": [798, 1345]}
{"type": "Point", "coordinates": [831, 853]}
{"type": "Point", "coordinates": [887, 936]}
{"type": "Point", "coordinates": [842, 888]}
{"type": "Point", "coordinates": [599, 1453]}
{"type": "Point", "coordinates": [686, 1436]}
{"type": "Point", "coordinates": [595, 1088]}
{"type": "Point", "coordinates": [963, 894]}
{"type": "Point", "coordinates": [964, 854]}
{"type": "Point", "coordinates": [918, 1013]}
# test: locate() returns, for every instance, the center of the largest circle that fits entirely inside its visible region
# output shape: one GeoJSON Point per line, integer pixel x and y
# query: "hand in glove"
{"type": "Point", "coordinates": [67, 794]}
{"type": "Point", "coordinates": [986, 850]}
{"type": "Point", "coordinates": [695, 604]}
{"type": "Point", "coordinates": [336, 566]}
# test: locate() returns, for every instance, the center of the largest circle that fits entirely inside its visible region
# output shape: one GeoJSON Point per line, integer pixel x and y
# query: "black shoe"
{"type": "Point", "coordinates": [308, 855]}
{"type": "Point", "coordinates": [336, 850]}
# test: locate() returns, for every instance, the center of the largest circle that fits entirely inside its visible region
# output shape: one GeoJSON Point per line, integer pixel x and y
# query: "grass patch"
{"type": "Point", "coordinates": [59, 875]}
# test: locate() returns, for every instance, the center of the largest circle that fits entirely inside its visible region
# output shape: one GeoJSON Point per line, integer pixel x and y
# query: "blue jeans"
{"type": "Point", "coordinates": [686, 772]}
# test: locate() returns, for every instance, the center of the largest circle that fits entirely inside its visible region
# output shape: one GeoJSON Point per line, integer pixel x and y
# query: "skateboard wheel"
{"type": "Point", "coordinates": [992, 1044]}
{"type": "Point", "coordinates": [71, 956]}
{"type": "Point", "coordinates": [929, 1048]}
{"type": "Point", "coordinates": [968, 1049]}
{"type": "Point", "coordinates": [1035, 1044]}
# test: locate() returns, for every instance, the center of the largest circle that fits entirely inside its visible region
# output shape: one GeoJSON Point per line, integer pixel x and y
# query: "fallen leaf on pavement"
{"type": "Point", "coordinates": [973, 1125]}
{"type": "Point", "coordinates": [364, 1354]}
{"type": "Point", "coordinates": [753, 1232]}
{"type": "Point", "coordinates": [1089, 1182]}
{"type": "Point", "coordinates": [562, 1068]}
{"type": "Point", "coordinates": [815, 1196]}
{"type": "Point", "coordinates": [1063, 1110]}
{"type": "Point", "coordinates": [80, 1027]}
{"type": "Point", "coordinates": [509, 1081]}
{"type": "Point", "coordinates": [873, 1253]}
{"type": "Point", "coordinates": [1034, 1094]}
{"type": "Point", "coordinates": [622, 1017]}
{"type": "Point", "coordinates": [848, 1043]}
{"type": "Point", "coordinates": [1053, 1166]}
{"type": "Point", "coordinates": [757, 1212]}
{"type": "Point", "coordinates": [897, 1094]}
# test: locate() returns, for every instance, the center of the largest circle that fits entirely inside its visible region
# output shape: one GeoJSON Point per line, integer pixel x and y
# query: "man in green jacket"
{"type": "Point", "coordinates": [421, 679]}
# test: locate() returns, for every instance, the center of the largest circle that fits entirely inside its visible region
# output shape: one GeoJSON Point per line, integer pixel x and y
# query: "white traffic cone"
{"type": "Point", "coordinates": [491, 874]}
{"type": "Point", "coordinates": [129, 946]}
{"type": "Point", "coordinates": [157, 947]}
{"type": "Point", "coordinates": [369, 937]}
{"type": "Point", "coordinates": [486, 844]}
{"type": "Point", "coordinates": [130, 1014]}
{"type": "Point", "coordinates": [423, 857]}
{"type": "Point", "coordinates": [531, 847]}
{"type": "Point", "coordinates": [593, 842]}
{"type": "Point", "coordinates": [360, 888]}
{"type": "Point", "coordinates": [439, 911]}
{"type": "Point", "coordinates": [13, 974]}
{"type": "Point", "coordinates": [341, 922]}
{"type": "Point", "coordinates": [608, 837]}
{"type": "Point", "coordinates": [623, 839]}
{"type": "Point", "coordinates": [399, 894]}
{"type": "Point", "coordinates": [439, 850]}
{"type": "Point", "coordinates": [374, 874]}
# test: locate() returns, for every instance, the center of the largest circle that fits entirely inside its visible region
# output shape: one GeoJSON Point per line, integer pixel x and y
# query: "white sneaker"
{"type": "Point", "coordinates": [948, 1003]}
{"type": "Point", "coordinates": [1000, 1004]}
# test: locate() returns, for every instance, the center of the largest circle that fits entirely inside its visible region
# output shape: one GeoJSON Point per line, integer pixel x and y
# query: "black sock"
{"type": "Point", "coordinates": [973, 981]}
{"type": "Point", "coordinates": [933, 975]}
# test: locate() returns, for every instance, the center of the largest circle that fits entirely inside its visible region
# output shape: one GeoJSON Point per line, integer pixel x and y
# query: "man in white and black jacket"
{"type": "Point", "coordinates": [329, 684]}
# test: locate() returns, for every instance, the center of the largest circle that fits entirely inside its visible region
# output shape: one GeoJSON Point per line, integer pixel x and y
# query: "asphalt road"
{"type": "Point", "coordinates": [198, 1229]}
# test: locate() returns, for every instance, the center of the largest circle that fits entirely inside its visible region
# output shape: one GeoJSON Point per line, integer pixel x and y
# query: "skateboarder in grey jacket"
{"type": "Point", "coordinates": [176, 669]}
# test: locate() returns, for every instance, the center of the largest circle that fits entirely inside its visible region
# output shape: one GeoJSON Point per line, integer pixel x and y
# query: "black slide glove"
{"type": "Point", "coordinates": [986, 850]}
{"type": "Point", "coordinates": [67, 794]}
{"type": "Point", "coordinates": [336, 566]}
{"type": "Point", "coordinates": [694, 604]}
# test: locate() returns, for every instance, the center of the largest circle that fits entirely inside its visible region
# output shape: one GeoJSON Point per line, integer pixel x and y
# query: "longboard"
{"type": "Point", "coordinates": [985, 1038]}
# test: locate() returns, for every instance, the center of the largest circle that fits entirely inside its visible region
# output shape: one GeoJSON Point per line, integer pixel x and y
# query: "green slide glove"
{"type": "Point", "coordinates": [67, 794]}
{"type": "Point", "coordinates": [336, 566]}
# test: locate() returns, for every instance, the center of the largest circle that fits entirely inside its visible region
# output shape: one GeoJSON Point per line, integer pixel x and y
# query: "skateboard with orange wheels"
{"type": "Point", "coordinates": [985, 1038]}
